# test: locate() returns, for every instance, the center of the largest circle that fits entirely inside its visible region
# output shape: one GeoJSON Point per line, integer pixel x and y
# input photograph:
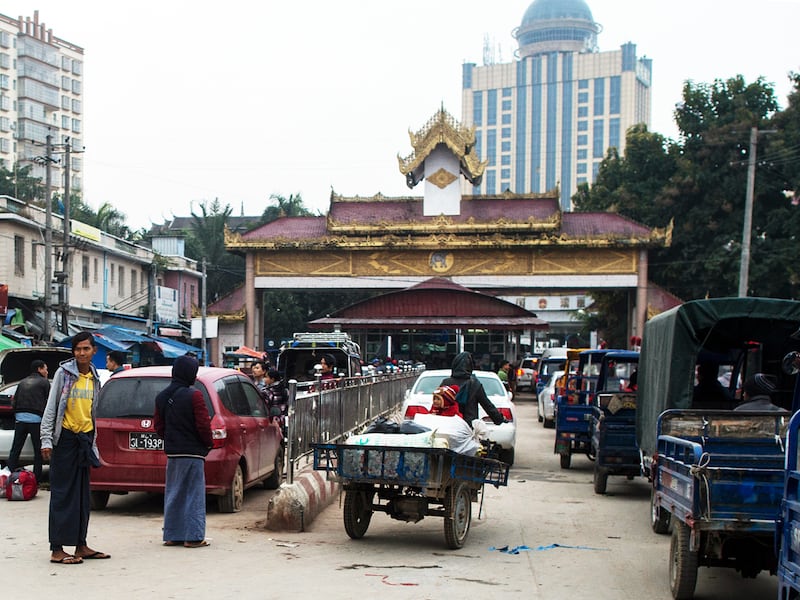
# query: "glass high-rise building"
{"type": "Point", "coordinates": [546, 120]}
{"type": "Point", "coordinates": [41, 94]}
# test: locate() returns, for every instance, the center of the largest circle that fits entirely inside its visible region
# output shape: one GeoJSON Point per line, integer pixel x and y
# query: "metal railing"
{"type": "Point", "coordinates": [330, 410]}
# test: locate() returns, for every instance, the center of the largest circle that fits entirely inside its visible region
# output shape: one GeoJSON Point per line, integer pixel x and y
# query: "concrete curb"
{"type": "Point", "coordinates": [296, 505]}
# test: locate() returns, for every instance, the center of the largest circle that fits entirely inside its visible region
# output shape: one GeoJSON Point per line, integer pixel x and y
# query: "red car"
{"type": "Point", "coordinates": [248, 442]}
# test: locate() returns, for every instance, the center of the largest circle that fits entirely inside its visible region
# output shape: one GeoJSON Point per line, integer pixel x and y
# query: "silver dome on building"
{"type": "Point", "coordinates": [557, 26]}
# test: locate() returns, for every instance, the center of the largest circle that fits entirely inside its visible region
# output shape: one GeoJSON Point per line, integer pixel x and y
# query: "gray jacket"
{"type": "Point", "coordinates": [63, 380]}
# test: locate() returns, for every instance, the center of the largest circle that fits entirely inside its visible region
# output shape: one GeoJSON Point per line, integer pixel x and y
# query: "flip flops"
{"type": "Point", "coordinates": [94, 555]}
{"type": "Point", "coordinates": [67, 560]}
{"type": "Point", "coordinates": [197, 544]}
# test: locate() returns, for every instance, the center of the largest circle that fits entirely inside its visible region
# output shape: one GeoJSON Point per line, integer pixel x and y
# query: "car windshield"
{"type": "Point", "coordinates": [132, 397]}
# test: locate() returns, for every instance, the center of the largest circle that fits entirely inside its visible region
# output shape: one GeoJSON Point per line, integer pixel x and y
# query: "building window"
{"type": "Point", "coordinates": [77, 107]}
{"type": "Point", "coordinates": [85, 272]}
{"type": "Point", "coordinates": [506, 92]}
{"type": "Point", "coordinates": [111, 273]}
{"type": "Point", "coordinates": [76, 86]}
{"type": "Point", "coordinates": [599, 96]}
{"type": "Point", "coordinates": [5, 145]}
{"type": "Point", "coordinates": [191, 294]}
{"type": "Point", "coordinates": [507, 119]}
{"type": "Point", "coordinates": [19, 255]}
{"type": "Point", "coordinates": [506, 133]}
{"type": "Point", "coordinates": [598, 144]}
{"type": "Point", "coordinates": [582, 154]}
{"type": "Point", "coordinates": [491, 147]}
{"type": "Point", "coordinates": [33, 254]}
{"type": "Point", "coordinates": [583, 97]}
{"type": "Point", "coordinates": [505, 174]}
{"type": "Point", "coordinates": [65, 63]}
{"type": "Point", "coordinates": [613, 133]}
{"type": "Point", "coordinates": [65, 102]}
{"type": "Point", "coordinates": [134, 282]}
{"type": "Point", "coordinates": [121, 281]}
{"type": "Point", "coordinates": [506, 105]}
{"type": "Point", "coordinates": [76, 125]}
{"type": "Point", "coordinates": [5, 60]}
{"type": "Point", "coordinates": [64, 82]}
{"type": "Point", "coordinates": [581, 168]}
{"type": "Point", "coordinates": [505, 146]}
{"type": "Point", "coordinates": [77, 67]}
{"type": "Point", "coordinates": [96, 265]}
{"type": "Point", "coordinates": [583, 125]}
{"type": "Point", "coordinates": [64, 122]}
{"type": "Point", "coordinates": [581, 301]}
{"type": "Point", "coordinates": [583, 140]}
{"type": "Point", "coordinates": [615, 95]}
{"type": "Point", "coordinates": [477, 108]}
{"type": "Point", "coordinates": [583, 84]}
{"type": "Point", "coordinates": [580, 180]}
{"type": "Point", "coordinates": [583, 112]}
{"type": "Point", "coordinates": [491, 107]}
{"type": "Point", "coordinates": [505, 160]}
{"type": "Point", "coordinates": [5, 39]}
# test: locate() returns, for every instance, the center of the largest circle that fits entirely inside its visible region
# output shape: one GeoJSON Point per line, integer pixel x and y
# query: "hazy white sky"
{"type": "Point", "coordinates": [188, 100]}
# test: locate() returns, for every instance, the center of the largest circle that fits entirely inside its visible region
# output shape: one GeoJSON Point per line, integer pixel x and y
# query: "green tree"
{"type": "Point", "coordinates": [284, 207]}
{"type": "Point", "coordinates": [207, 240]}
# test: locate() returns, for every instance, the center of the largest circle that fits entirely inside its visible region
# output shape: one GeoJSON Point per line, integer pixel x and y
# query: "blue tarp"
{"type": "Point", "coordinates": [113, 337]}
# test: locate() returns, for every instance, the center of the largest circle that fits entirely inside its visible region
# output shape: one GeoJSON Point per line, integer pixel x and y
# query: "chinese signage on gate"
{"type": "Point", "coordinates": [166, 304]}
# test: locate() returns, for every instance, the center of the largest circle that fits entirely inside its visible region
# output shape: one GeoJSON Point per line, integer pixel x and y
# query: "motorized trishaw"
{"type": "Point", "coordinates": [716, 473]}
{"type": "Point", "coordinates": [614, 419]}
{"type": "Point", "coordinates": [788, 530]}
{"type": "Point", "coordinates": [574, 405]}
{"type": "Point", "coordinates": [408, 484]}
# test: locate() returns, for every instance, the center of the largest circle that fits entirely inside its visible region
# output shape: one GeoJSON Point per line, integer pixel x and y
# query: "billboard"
{"type": "Point", "coordinates": [166, 304]}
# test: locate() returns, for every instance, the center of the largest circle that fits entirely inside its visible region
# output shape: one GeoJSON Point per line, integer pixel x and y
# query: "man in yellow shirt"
{"type": "Point", "coordinates": [69, 443]}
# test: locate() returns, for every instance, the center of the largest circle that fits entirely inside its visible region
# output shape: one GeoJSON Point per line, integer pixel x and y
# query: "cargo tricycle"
{"type": "Point", "coordinates": [408, 484]}
{"type": "Point", "coordinates": [614, 419]}
{"type": "Point", "coordinates": [716, 472]}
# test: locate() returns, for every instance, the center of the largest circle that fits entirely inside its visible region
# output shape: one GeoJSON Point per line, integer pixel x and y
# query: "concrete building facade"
{"type": "Point", "coordinates": [546, 120]}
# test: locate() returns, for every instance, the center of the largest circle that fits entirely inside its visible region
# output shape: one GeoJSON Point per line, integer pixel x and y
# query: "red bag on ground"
{"type": "Point", "coordinates": [21, 485]}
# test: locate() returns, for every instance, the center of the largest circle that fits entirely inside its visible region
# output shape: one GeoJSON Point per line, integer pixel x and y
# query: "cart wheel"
{"type": "Point", "coordinates": [458, 502]}
{"type": "Point", "coordinates": [565, 460]}
{"type": "Point", "coordinates": [357, 512]}
{"type": "Point", "coordinates": [682, 564]}
{"type": "Point", "coordinates": [600, 479]}
{"type": "Point", "coordinates": [659, 516]}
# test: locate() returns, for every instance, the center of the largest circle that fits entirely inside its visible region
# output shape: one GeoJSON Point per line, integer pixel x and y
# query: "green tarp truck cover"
{"type": "Point", "coordinates": [673, 340]}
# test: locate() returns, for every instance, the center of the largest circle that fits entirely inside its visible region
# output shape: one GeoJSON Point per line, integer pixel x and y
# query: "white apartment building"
{"type": "Point", "coordinates": [546, 120]}
{"type": "Point", "coordinates": [110, 280]}
{"type": "Point", "coordinates": [41, 93]}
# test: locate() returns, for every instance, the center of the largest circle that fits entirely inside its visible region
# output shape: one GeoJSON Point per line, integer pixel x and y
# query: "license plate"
{"type": "Point", "coordinates": [143, 440]}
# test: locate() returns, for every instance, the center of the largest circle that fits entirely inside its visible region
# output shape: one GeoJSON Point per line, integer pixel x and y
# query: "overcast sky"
{"type": "Point", "coordinates": [188, 100]}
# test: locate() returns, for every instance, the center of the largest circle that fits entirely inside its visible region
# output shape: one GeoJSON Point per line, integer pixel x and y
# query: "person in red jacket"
{"type": "Point", "coordinates": [444, 401]}
{"type": "Point", "coordinates": [181, 419]}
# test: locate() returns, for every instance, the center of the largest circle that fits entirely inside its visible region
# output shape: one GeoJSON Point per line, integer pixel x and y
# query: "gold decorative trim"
{"type": "Point", "coordinates": [442, 128]}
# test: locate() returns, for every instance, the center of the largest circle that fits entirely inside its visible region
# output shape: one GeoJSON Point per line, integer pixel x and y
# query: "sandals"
{"type": "Point", "coordinates": [197, 544]}
{"type": "Point", "coordinates": [67, 560]}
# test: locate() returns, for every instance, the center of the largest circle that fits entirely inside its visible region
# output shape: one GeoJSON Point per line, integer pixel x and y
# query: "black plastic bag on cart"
{"type": "Point", "coordinates": [385, 425]}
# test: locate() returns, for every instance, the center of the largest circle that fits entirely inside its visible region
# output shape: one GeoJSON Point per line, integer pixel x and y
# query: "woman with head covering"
{"type": "Point", "coordinates": [182, 419]}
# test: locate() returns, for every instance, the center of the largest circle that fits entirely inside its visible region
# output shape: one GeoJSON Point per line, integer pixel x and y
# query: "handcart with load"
{"type": "Point", "coordinates": [408, 484]}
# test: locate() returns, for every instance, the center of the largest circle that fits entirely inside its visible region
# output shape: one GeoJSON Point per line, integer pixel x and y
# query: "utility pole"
{"type": "Point", "coordinates": [744, 265]}
{"type": "Point", "coordinates": [203, 305]}
{"type": "Point", "coordinates": [48, 241]}
{"type": "Point", "coordinates": [65, 253]}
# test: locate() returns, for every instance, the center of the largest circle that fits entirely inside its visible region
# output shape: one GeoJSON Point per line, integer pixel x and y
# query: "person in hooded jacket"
{"type": "Point", "coordinates": [181, 419]}
{"type": "Point", "coordinates": [461, 375]}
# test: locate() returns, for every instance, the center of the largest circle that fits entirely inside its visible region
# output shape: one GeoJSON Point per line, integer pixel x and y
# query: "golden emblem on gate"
{"type": "Point", "coordinates": [442, 178]}
{"type": "Point", "coordinates": [441, 262]}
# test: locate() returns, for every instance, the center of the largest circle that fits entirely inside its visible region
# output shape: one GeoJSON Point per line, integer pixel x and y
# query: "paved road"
{"type": "Point", "coordinates": [606, 552]}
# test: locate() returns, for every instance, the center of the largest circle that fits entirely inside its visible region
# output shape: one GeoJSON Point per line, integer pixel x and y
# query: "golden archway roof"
{"type": "Point", "coordinates": [442, 128]}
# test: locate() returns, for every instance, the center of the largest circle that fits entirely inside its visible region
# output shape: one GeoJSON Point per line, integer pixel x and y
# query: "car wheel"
{"type": "Point", "coordinates": [458, 503]}
{"type": "Point", "coordinates": [99, 500]}
{"type": "Point", "coordinates": [273, 482]}
{"type": "Point", "coordinates": [659, 516]}
{"type": "Point", "coordinates": [233, 499]}
{"type": "Point", "coordinates": [357, 512]}
{"type": "Point", "coordinates": [682, 564]}
{"type": "Point", "coordinates": [566, 459]}
{"type": "Point", "coordinates": [506, 455]}
{"type": "Point", "coordinates": [600, 479]}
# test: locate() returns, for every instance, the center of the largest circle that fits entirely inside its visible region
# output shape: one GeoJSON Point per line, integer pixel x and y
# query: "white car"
{"type": "Point", "coordinates": [420, 398]}
{"type": "Point", "coordinates": [547, 400]}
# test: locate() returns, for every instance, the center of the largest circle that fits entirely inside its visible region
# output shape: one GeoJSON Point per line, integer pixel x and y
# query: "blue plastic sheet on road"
{"type": "Point", "coordinates": [518, 549]}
